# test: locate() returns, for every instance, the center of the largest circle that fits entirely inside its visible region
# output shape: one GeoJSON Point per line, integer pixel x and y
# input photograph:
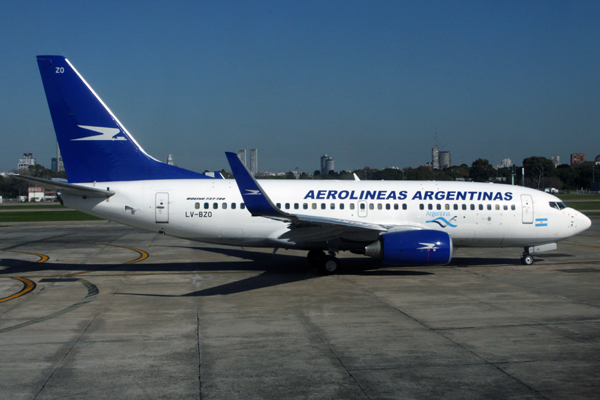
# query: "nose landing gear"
{"type": "Point", "coordinates": [526, 258]}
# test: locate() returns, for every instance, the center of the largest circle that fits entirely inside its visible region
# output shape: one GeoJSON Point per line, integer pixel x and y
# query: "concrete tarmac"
{"type": "Point", "coordinates": [104, 311]}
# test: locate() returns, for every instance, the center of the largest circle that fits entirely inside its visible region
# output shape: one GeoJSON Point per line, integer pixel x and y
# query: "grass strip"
{"type": "Point", "coordinates": [46, 216]}
{"type": "Point", "coordinates": [567, 197]}
{"type": "Point", "coordinates": [30, 206]}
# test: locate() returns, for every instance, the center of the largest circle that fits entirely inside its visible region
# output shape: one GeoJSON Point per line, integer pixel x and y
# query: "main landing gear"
{"type": "Point", "coordinates": [325, 263]}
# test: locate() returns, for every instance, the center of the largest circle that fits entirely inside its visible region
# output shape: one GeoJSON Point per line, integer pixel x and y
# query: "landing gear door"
{"type": "Point", "coordinates": [527, 207]}
{"type": "Point", "coordinates": [162, 207]}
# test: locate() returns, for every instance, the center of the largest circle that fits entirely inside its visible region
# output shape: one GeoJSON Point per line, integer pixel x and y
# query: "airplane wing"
{"type": "Point", "coordinates": [260, 205]}
{"type": "Point", "coordinates": [69, 188]}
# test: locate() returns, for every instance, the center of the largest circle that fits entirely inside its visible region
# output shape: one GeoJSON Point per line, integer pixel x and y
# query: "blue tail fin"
{"type": "Point", "coordinates": [93, 143]}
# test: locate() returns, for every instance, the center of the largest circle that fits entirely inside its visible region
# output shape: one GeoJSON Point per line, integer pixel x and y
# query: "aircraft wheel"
{"type": "Point", "coordinates": [315, 257]}
{"type": "Point", "coordinates": [527, 259]}
{"type": "Point", "coordinates": [330, 265]}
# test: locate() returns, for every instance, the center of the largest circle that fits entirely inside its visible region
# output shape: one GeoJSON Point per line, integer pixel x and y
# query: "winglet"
{"type": "Point", "coordinates": [257, 202]}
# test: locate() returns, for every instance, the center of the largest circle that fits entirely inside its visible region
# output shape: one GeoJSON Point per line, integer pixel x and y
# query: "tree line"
{"type": "Point", "coordinates": [540, 173]}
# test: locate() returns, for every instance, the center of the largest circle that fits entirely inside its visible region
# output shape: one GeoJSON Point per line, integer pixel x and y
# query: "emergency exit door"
{"type": "Point", "coordinates": [162, 207]}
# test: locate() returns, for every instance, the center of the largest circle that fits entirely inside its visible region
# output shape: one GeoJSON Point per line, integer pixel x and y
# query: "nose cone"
{"type": "Point", "coordinates": [583, 222]}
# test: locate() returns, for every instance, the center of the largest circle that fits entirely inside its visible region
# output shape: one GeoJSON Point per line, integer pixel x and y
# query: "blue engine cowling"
{"type": "Point", "coordinates": [416, 247]}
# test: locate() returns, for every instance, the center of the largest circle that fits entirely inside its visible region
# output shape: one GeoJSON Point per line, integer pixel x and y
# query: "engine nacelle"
{"type": "Point", "coordinates": [416, 247]}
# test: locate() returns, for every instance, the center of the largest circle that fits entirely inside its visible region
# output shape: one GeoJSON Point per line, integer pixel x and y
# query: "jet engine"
{"type": "Point", "coordinates": [415, 247]}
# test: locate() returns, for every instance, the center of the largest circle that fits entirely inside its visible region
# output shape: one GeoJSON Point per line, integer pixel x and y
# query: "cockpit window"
{"type": "Point", "coordinates": [559, 205]}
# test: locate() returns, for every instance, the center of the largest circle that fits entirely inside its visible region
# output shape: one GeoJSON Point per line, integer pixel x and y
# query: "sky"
{"type": "Point", "coordinates": [367, 82]}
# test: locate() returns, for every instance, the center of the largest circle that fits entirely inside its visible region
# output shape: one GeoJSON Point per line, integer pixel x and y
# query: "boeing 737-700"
{"type": "Point", "coordinates": [398, 222]}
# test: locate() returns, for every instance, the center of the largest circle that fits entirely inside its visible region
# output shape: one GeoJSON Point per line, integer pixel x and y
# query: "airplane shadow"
{"type": "Point", "coordinates": [275, 269]}
{"type": "Point", "coordinates": [272, 269]}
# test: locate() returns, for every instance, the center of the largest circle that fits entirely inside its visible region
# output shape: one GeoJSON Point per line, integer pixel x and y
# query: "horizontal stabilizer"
{"type": "Point", "coordinates": [69, 188]}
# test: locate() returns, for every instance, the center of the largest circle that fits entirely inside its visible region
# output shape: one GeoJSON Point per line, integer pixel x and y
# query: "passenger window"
{"type": "Point", "coordinates": [206, 206]}
{"type": "Point", "coordinates": [215, 205]}
{"type": "Point", "coordinates": [278, 205]}
{"type": "Point", "coordinates": [430, 206]}
{"type": "Point", "coordinates": [388, 207]}
{"type": "Point", "coordinates": [352, 206]}
{"type": "Point", "coordinates": [243, 206]}
{"type": "Point", "coordinates": [505, 207]}
{"type": "Point", "coordinates": [314, 206]}
{"type": "Point", "coordinates": [421, 207]}
{"type": "Point", "coordinates": [380, 206]}
{"type": "Point", "coordinates": [456, 206]}
{"type": "Point", "coordinates": [332, 206]}
{"type": "Point", "coordinates": [512, 207]}
{"type": "Point", "coordinates": [371, 206]}
{"type": "Point", "coordinates": [438, 206]}
{"type": "Point", "coordinates": [404, 206]}
{"type": "Point", "coordinates": [362, 206]}
{"type": "Point", "coordinates": [447, 206]}
{"type": "Point", "coordinates": [233, 206]}
{"type": "Point", "coordinates": [287, 206]}
{"type": "Point", "coordinates": [296, 206]}
{"type": "Point", "coordinates": [395, 206]}
{"type": "Point", "coordinates": [472, 206]}
{"type": "Point", "coordinates": [497, 207]}
{"type": "Point", "coordinates": [341, 206]}
{"type": "Point", "coordinates": [224, 205]}
{"type": "Point", "coordinates": [197, 206]}
{"type": "Point", "coordinates": [464, 206]}
{"type": "Point", "coordinates": [481, 207]}
{"type": "Point", "coordinates": [305, 206]}
{"type": "Point", "coordinates": [323, 206]}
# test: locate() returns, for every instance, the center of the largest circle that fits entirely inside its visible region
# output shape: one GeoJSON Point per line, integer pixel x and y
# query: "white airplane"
{"type": "Point", "coordinates": [398, 222]}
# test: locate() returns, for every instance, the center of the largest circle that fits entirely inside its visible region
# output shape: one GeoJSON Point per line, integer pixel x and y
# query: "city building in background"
{"type": "Point", "coordinates": [327, 164]}
{"type": "Point", "coordinates": [577, 158]}
{"type": "Point", "coordinates": [53, 164]}
{"type": "Point", "coordinates": [505, 163]}
{"type": "Point", "coordinates": [25, 162]}
{"type": "Point", "coordinates": [170, 160]}
{"type": "Point", "coordinates": [555, 160]}
{"type": "Point", "coordinates": [60, 166]}
{"type": "Point", "coordinates": [445, 159]}
{"type": "Point", "coordinates": [242, 156]}
{"type": "Point", "coordinates": [435, 158]}
{"type": "Point", "coordinates": [254, 161]}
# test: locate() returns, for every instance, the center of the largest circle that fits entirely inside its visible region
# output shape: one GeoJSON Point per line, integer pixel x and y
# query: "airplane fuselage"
{"type": "Point", "coordinates": [212, 211]}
